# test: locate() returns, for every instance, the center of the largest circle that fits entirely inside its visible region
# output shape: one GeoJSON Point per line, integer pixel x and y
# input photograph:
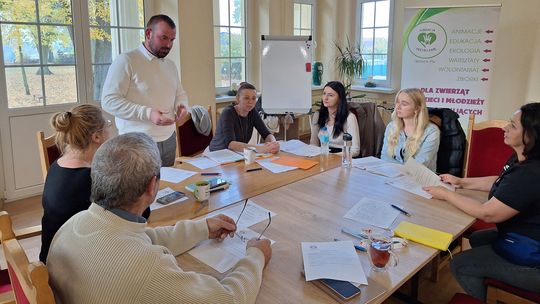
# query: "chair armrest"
{"type": "Point", "coordinates": [27, 232]}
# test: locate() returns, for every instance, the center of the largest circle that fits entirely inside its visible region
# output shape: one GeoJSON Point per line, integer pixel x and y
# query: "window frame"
{"type": "Point", "coordinates": [313, 4]}
{"type": "Point", "coordinates": [224, 90]}
{"type": "Point", "coordinates": [360, 81]}
{"type": "Point", "coordinates": [83, 62]}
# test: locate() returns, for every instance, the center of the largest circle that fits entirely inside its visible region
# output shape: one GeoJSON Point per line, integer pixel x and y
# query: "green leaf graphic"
{"type": "Point", "coordinates": [427, 38]}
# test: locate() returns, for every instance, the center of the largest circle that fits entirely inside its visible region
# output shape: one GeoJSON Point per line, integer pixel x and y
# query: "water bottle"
{"type": "Point", "coordinates": [346, 160]}
{"type": "Point", "coordinates": [324, 138]}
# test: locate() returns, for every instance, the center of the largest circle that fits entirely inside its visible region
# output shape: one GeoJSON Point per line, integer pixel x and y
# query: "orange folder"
{"type": "Point", "coordinates": [295, 162]}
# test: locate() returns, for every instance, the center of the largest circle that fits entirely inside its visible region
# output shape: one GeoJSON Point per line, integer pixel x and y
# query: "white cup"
{"type": "Point", "coordinates": [202, 191]}
{"type": "Point", "coordinates": [249, 156]}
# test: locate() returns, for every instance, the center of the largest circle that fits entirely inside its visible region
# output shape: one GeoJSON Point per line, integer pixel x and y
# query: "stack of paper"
{"type": "Point", "coordinates": [372, 212]}
{"type": "Point", "coordinates": [294, 162]}
{"type": "Point", "coordinates": [377, 166]}
{"type": "Point", "coordinates": [174, 175]}
{"type": "Point", "coordinates": [224, 156]}
{"type": "Point", "coordinates": [332, 260]}
{"type": "Point", "coordinates": [273, 167]}
{"type": "Point", "coordinates": [297, 147]}
{"type": "Point", "coordinates": [417, 176]}
{"type": "Point", "coordinates": [202, 162]}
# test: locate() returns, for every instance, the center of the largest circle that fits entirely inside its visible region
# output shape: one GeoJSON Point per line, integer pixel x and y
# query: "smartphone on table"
{"type": "Point", "coordinates": [216, 183]}
{"type": "Point", "coordinates": [170, 198]}
{"type": "Point", "coordinates": [343, 289]}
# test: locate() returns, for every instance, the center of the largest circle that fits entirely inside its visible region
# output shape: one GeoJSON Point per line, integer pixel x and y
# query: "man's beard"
{"type": "Point", "coordinates": [159, 53]}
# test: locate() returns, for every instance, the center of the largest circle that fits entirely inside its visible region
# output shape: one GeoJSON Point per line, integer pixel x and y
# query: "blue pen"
{"type": "Point", "coordinates": [357, 247]}
{"type": "Point", "coordinates": [355, 234]}
{"type": "Point", "coordinates": [400, 210]}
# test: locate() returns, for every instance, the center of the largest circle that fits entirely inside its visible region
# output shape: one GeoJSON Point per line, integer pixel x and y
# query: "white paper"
{"type": "Point", "coordinates": [174, 175]}
{"type": "Point", "coordinates": [202, 163]}
{"type": "Point", "coordinates": [407, 184]}
{"type": "Point", "coordinates": [273, 167]}
{"type": "Point", "coordinates": [377, 166]}
{"type": "Point", "coordinates": [365, 162]}
{"type": "Point", "coordinates": [422, 175]}
{"type": "Point", "coordinates": [252, 215]}
{"type": "Point", "coordinates": [372, 212]}
{"type": "Point", "coordinates": [224, 156]}
{"type": "Point", "coordinates": [222, 256]}
{"type": "Point", "coordinates": [332, 260]}
{"type": "Point", "coordinates": [298, 147]}
{"type": "Point", "coordinates": [161, 193]}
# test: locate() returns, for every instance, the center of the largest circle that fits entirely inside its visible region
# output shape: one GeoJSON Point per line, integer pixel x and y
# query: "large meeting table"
{"type": "Point", "coordinates": [311, 210]}
{"type": "Point", "coordinates": [243, 185]}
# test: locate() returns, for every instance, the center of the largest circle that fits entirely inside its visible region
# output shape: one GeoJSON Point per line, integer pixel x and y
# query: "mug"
{"type": "Point", "coordinates": [249, 156]}
{"type": "Point", "coordinates": [202, 190]}
{"type": "Point", "coordinates": [380, 252]}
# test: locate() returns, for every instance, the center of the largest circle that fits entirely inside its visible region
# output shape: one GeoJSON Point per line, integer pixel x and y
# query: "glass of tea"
{"type": "Point", "coordinates": [380, 251]}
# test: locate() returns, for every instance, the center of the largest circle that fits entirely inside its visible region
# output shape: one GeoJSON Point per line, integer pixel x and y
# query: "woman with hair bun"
{"type": "Point", "coordinates": [78, 134]}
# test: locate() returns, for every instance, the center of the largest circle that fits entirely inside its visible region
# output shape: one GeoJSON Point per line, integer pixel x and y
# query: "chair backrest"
{"type": "Point", "coordinates": [189, 141]}
{"type": "Point", "coordinates": [486, 151]}
{"type": "Point", "coordinates": [500, 292]}
{"type": "Point", "coordinates": [30, 281]}
{"type": "Point", "coordinates": [48, 152]}
{"type": "Point", "coordinates": [370, 126]}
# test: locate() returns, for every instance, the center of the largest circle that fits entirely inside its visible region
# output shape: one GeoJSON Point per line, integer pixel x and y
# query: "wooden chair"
{"type": "Point", "coordinates": [486, 155]}
{"type": "Point", "coordinates": [48, 152]}
{"type": "Point", "coordinates": [189, 141]}
{"type": "Point", "coordinates": [499, 292]}
{"type": "Point", "coordinates": [461, 298]}
{"type": "Point", "coordinates": [486, 151]}
{"type": "Point", "coordinates": [29, 281]}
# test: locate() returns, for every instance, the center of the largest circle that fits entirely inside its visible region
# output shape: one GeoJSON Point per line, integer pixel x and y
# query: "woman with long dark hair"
{"type": "Point", "coordinates": [334, 114]}
{"type": "Point", "coordinates": [513, 204]}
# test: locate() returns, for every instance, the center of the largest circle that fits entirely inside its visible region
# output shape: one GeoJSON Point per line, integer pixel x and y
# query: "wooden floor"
{"type": "Point", "coordinates": [28, 212]}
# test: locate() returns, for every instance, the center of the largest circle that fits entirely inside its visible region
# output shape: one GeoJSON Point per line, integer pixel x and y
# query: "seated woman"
{"type": "Point", "coordinates": [78, 134]}
{"type": "Point", "coordinates": [334, 114]}
{"type": "Point", "coordinates": [236, 122]}
{"type": "Point", "coordinates": [410, 134]}
{"type": "Point", "coordinates": [513, 204]}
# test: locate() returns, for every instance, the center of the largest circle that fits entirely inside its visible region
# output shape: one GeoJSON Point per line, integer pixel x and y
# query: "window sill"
{"type": "Point", "coordinates": [224, 98]}
{"type": "Point", "coordinates": [380, 90]}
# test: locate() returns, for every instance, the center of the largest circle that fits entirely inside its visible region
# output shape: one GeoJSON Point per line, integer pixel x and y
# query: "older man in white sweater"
{"type": "Point", "coordinates": [107, 254]}
{"type": "Point", "coordinates": [143, 91]}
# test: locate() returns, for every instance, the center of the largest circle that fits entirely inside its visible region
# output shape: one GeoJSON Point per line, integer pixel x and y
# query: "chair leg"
{"type": "Point", "coordinates": [435, 268]}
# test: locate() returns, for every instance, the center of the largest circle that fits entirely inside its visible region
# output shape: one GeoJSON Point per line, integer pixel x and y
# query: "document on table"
{"type": "Point", "coordinates": [409, 185]}
{"type": "Point", "coordinates": [376, 166]}
{"type": "Point", "coordinates": [298, 147]}
{"type": "Point", "coordinates": [372, 212]}
{"type": "Point", "coordinates": [252, 215]}
{"type": "Point", "coordinates": [423, 176]}
{"type": "Point", "coordinates": [174, 175]}
{"type": "Point", "coordinates": [202, 163]}
{"type": "Point", "coordinates": [273, 167]}
{"type": "Point", "coordinates": [161, 193]}
{"type": "Point", "coordinates": [224, 156]}
{"type": "Point", "coordinates": [332, 260]}
{"type": "Point", "coordinates": [222, 256]}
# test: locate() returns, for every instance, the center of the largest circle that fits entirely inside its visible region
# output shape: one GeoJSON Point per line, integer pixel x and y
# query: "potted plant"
{"type": "Point", "coordinates": [349, 63]}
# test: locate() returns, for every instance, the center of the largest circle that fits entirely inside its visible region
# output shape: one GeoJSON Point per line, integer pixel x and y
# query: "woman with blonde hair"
{"type": "Point", "coordinates": [79, 132]}
{"type": "Point", "coordinates": [410, 134]}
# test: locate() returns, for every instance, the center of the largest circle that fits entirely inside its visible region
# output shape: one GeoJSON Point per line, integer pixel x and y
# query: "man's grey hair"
{"type": "Point", "coordinates": [122, 168]}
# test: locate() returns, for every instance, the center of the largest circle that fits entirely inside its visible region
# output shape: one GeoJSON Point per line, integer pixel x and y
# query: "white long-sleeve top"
{"type": "Point", "coordinates": [136, 82]}
{"type": "Point", "coordinates": [351, 127]}
{"type": "Point", "coordinates": [99, 257]}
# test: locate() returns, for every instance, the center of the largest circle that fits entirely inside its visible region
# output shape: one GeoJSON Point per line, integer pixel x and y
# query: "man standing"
{"type": "Point", "coordinates": [143, 91]}
{"type": "Point", "coordinates": [107, 254]}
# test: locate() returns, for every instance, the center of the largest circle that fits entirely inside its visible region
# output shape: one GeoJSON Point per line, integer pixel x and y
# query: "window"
{"type": "Point", "coordinates": [374, 30]}
{"type": "Point", "coordinates": [304, 17]}
{"type": "Point", "coordinates": [42, 53]}
{"type": "Point", "coordinates": [116, 26]}
{"type": "Point", "coordinates": [229, 43]}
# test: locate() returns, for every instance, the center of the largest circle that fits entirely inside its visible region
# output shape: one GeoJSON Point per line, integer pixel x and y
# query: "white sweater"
{"type": "Point", "coordinates": [351, 127]}
{"type": "Point", "coordinates": [98, 257]}
{"type": "Point", "coordinates": [136, 82]}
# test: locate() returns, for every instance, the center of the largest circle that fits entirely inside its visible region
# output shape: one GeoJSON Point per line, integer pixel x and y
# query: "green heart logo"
{"type": "Point", "coordinates": [427, 38]}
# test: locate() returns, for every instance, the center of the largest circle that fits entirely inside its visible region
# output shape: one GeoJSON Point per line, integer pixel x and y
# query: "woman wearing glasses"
{"type": "Point", "coordinates": [79, 132]}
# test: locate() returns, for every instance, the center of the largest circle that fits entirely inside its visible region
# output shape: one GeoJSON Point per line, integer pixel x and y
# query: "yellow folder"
{"type": "Point", "coordinates": [424, 235]}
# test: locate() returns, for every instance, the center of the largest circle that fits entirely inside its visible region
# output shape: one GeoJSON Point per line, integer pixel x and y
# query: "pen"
{"type": "Point", "coordinates": [254, 169]}
{"type": "Point", "coordinates": [400, 210]}
{"type": "Point", "coordinates": [357, 247]}
{"type": "Point", "coordinates": [210, 173]}
{"type": "Point", "coordinates": [356, 235]}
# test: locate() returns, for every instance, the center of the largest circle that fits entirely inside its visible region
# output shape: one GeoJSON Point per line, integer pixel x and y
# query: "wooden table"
{"type": "Point", "coordinates": [243, 185]}
{"type": "Point", "coordinates": [312, 210]}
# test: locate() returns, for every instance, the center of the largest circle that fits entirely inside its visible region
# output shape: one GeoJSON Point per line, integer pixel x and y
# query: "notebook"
{"type": "Point", "coordinates": [295, 162]}
{"type": "Point", "coordinates": [424, 235]}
